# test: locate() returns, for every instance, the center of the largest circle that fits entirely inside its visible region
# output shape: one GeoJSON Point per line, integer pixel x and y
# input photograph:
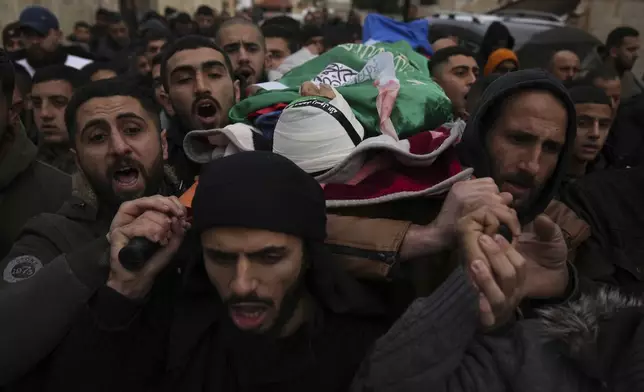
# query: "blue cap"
{"type": "Point", "coordinates": [38, 18]}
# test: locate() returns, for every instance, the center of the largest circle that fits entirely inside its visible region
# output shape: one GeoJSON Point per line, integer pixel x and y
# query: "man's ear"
{"type": "Point", "coordinates": [164, 144]}
{"type": "Point", "coordinates": [237, 89]}
{"type": "Point", "coordinates": [166, 103]}
{"type": "Point", "coordinates": [612, 52]}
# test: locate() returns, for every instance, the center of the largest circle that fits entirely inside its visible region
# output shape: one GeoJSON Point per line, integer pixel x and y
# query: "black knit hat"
{"type": "Point", "coordinates": [260, 190]}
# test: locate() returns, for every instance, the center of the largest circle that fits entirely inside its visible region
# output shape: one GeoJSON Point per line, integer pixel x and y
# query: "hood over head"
{"type": "Point", "coordinates": [471, 154]}
{"type": "Point", "coordinates": [495, 34]}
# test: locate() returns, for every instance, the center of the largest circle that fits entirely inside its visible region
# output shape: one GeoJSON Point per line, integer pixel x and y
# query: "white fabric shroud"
{"type": "Point", "coordinates": [312, 137]}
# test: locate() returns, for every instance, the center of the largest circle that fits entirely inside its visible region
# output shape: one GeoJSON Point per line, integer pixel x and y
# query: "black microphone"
{"type": "Point", "coordinates": [139, 250]}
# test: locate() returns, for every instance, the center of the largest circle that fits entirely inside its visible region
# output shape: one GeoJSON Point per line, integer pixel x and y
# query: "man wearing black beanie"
{"type": "Point", "coordinates": [262, 307]}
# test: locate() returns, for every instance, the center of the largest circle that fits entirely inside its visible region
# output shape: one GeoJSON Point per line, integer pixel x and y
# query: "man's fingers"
{"type": "Point", "coordinates": [544, 228]}
{"type": "Point", "coordinates": [499, 264]}
{"type": "Point", "coordinates": [506, 198]}
{"type": "Point", "coordinates": [158, 203]}
{"type": "Point", "coordinates": [486, 283]}
{"type": "Point", "coordinates": [487, 315]}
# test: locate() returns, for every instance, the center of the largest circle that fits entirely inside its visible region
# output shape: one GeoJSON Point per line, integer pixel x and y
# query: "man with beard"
{"type": "Point", "coordinates": [27, 186]}
{"type": "Point", "coordinates": [52, 89]}
{"type": "Point", "coordinates": [244, 43]}
{"type": "Point", "coordinates": [197, 77]}
{"type": "Point", "coordinates": [43, 41]}
{"type": "Point", "coordinates": [55, 266]}
{"type": "Point", "coordinates": [264, 308]}
{"type": "Point", "coordinates": [606, 78]}
{"type": "Point", "coordinates": [117, 40]}
{"type": "Point", "coordinates": [623, 46]}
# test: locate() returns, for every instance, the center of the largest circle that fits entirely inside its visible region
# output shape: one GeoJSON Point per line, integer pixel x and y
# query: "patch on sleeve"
{"type": "Point", "coordinates": [21, 268]}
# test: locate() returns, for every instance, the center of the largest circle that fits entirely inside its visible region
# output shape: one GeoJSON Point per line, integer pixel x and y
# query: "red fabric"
{"type": "Point", "coordinates": [398, 178]}
{"type": "Point", "coordinates": [266, 110]}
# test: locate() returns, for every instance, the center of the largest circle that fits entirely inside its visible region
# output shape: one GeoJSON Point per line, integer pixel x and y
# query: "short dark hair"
{"type": "Point", "coordinates": [156, 35]}
{"type": "Point", "coordinates": [90, 69]}
{"type": "Point", "coordinates": [190, 42]}
{"type": "Point", "coordinates": [113, 18]}
{"type": "Point", "coordinates": [237, 21]}
{"type": "Point", "coordinates": [121, 86]}
{"type": "Point", "coordinates": [205, 11]}
{"type": "Point", "coordinates": [11, 30]}
{"type": "Point", "coordinates": [581, 92]}
{"type": "Point", "coordinates": [603, 72]}
{"type": "Point", "coordinates": [59, 72]}
{"type": "Point", "coordinates": [440, 57]}
{"type": "Point", "coordinates": [274, 31]}
{"type": "Point", "coordinates": [616, 37]}
{"type": "Point", "coordinates": [81, 25]}
{"type": "Point", "coordinates": [283, 21]}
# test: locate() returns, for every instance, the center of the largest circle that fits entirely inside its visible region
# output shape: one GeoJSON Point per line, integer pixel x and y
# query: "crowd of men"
{"type": "Point", "coordinates": [527, 276]}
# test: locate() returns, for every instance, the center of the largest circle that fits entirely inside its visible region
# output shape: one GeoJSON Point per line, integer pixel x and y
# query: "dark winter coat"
{"type": "Point", "coordinates": [438, 346]}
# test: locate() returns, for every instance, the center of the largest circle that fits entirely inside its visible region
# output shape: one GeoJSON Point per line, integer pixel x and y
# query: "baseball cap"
{"type": "Point", "coordinates": [39, 19]}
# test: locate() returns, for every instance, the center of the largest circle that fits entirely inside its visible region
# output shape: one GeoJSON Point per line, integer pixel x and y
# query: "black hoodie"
{"type": "Point", "coordinates": [473, 155]}
{"type": "Point", "coordinates": [495, 35]}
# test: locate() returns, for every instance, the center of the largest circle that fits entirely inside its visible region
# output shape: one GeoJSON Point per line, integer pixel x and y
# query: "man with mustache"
{"type": "Point", "coordinates": [244, 43]}
{"type": "Point", "coordinates": [55, 265]}
{"type": "Point", "coordinates": [263, 309]}
{"type": "Point", "coordinates": [200, 87]}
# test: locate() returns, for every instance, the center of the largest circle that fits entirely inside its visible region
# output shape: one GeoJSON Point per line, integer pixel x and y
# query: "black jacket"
{"type": "Point", "coordinates": [625, 143]}
{"type": "Point", "coordinates": [611, 203]}
{"type": "Point", "coordinates": [27, 188]}
{"type": "Point", "coordinates": [438, 346]}
{"type": "Point", "coordinates": [55, 266]}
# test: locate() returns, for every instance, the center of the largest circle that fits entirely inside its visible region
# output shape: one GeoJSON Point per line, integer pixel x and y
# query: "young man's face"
{"type": "Point", "coordinates": [119, 148]}
{"type": "Point", "coordinates": [200, 88]}
{"type": "Point", "coordinates": [157, 83]}
{"type": "Point", "coordinates": [278, 51]}
{"type": "Point", "coordinates": [257, 273]}
{"type": "Point", "coordinates": [143, 65]}
{"type": "Point", "coordinates": [49, 100]}
{"type": "Point", "coordinates": [82, 34]}
{"type": "Point", "coordinates": [456, 77]}
{"type": "Point", "coordinates": [593, 126]}
{"type": "Point", "coordinates": [14, 44]}
{"type": "Point", "coordinates": [525, 143]}
{"type": "Point", "coordinates": [244, 45]}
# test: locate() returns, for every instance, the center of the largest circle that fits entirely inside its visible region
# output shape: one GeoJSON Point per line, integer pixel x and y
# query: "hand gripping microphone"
{"type": "Point", "coordinates": [140, 249]}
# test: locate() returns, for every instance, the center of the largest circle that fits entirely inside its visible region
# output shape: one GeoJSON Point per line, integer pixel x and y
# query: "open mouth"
{"type": "Point", "coordinates": [126, 176]}
{"type": "Point", "coordinates": [206, 111]}
{"type": "Point", "coordinates": [248, 316]}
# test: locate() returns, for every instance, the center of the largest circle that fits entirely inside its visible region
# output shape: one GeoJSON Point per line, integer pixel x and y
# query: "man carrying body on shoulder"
{"type": "Point", "coordinates": [120, 150]}
{"type": "Point", "coordinates": [201, 88]}
{"type": "Point", "coordinates": [264, 308]}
